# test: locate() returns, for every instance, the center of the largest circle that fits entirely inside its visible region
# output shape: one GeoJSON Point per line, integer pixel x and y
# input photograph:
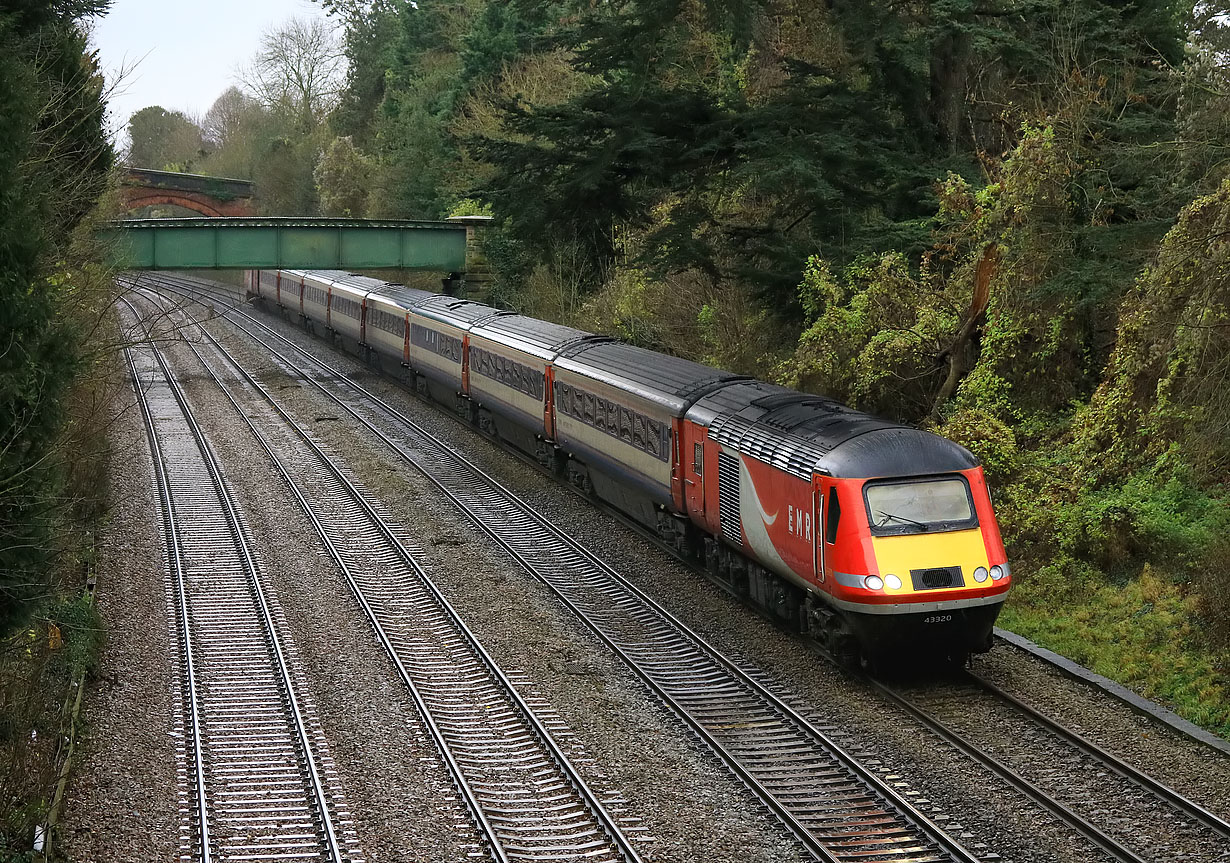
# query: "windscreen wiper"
{"type": "Point", "coordinates": [887, 515]}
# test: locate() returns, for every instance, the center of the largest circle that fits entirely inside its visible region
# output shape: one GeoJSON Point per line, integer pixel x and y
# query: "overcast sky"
{"type": "Point", "coordinates": [183, 53]}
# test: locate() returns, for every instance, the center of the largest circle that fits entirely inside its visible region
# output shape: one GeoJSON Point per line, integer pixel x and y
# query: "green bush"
{"type": "Point", "coordinates": [987, 437]}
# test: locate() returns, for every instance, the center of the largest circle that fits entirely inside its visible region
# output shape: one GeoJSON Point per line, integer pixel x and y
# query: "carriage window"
{"type": "Point", "coordinates": [653, 438]}
{"type": "Point", "coordinates": [832, 517]}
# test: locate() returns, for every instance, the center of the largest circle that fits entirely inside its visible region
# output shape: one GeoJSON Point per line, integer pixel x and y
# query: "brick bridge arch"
{"type": "Point", "coordinates": [209, 196]}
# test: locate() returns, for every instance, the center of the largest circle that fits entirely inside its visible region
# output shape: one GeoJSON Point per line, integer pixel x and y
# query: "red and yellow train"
{"type": "Point", "coordinates": [870, 536]}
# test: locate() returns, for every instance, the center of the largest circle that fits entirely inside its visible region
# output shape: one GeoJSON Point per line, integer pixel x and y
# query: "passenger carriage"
{"type": "Point", "coordinates": [616, 409]}
{"type": "Point", "coordinates": [439, 327]}
{"type": "Point", "coordinates": [386, 321]}
{"type": "Point", "coordinates": [510, 361]}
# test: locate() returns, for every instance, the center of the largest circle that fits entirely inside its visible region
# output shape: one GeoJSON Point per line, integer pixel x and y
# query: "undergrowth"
{"type": "Point", "coordinates": [1146, 633]}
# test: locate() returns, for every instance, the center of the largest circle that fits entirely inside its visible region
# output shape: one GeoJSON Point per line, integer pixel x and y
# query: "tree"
{"type": "Point", "coordinates": [371, 33]}
{"type": "Point", "coordinates": [343, 177]}
{"type": "Point", "coordinates": [226, 118]}
{"type": "Point", "coordinates": [54, 162]}
{"type": "Point", "coordinates": [298, 71]}
{"type": "Point", "coordinates": [238, 130]}
{"type": "Point", "coordinates": [164, 140]}
{"type": "Point", "coordinates": [277, 126]}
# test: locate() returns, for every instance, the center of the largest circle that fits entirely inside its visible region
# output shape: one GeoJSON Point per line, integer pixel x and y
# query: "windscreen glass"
{"type": "Point", "coordinates": [919, 506]}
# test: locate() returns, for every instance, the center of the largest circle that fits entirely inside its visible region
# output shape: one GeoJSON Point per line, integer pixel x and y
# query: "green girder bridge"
{"type": "Point", "coordinates": [295, 243]}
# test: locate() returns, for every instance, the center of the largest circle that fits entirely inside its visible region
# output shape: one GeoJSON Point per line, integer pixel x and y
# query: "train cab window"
{"type": "Point", "coordinates": [698, 459]}
{"type": "Point", "coordinates": [919, 505]}
{"type": "Point", "coordinates": [832, 517]}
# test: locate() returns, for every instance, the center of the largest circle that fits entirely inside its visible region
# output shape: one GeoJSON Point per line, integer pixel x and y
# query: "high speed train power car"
{"type": "Point", "coordinates": [867, 535]}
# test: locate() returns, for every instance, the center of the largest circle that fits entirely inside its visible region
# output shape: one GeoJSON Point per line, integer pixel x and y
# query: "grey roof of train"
{"type": "Point", "coordinates": [458, 312]}
{"type": "Point", "coordinates": [405, 297]}
{"type": "Point", "coordinates": [540, 338]}
{"type": "Point", "coordinates": [368, 284]}
{"type": "Point", "coordinates": [802, 433]}
{"type": "Point", "coordinates": [669, 381]}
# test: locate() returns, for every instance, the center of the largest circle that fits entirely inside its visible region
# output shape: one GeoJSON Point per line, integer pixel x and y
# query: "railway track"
{"type": "Point", "coordinates": [526, 798]}
{"type": "Point", "coordinates": [835, 807]}
{"type": "Point", "coordinates": [257, 780]}
{"type": "Point", "coordinates": [1124, 813]}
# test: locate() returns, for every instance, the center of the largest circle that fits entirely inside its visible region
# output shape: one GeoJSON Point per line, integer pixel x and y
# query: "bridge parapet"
{"type": "Point", "coordinates": [286, 243]}
{"type": "Point", "coordinates": [210, 196]}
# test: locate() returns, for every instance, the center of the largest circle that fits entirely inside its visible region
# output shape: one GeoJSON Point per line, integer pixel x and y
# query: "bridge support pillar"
{"type": "Point", "coordinates": [475, 282]}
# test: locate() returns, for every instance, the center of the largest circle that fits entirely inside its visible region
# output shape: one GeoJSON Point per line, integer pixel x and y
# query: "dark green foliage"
{"type": "Point", "coordinates": [500, 32]}
{"type": "Point", "coordinates": [370, 35]}
{"type": "Point", "coordinates": [54, 158]}
{"type": "Point", "coordinates": [165, 140]}
{"type": "Point", "coordinates": [839, 152]}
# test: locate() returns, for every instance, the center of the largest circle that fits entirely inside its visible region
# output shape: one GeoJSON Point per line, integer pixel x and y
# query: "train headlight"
{"type": "Point", "coordinates": [873, 582]}
{"type": "Point", "coordinates": [893, 582]}
{"type": "Point", "coordinates": [997, 572]}
{"type": "Point", "coordinates": [980, 574]}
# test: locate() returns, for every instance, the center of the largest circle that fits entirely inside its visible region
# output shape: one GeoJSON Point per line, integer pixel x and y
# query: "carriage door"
{"type": "Point", "coordinates": [817, 519]}
{"type": "Point", "coordinates": [692, 468]}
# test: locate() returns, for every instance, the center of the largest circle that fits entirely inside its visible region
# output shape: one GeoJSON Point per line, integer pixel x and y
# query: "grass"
{"type": "Point", "coordinates": [1146, 634]}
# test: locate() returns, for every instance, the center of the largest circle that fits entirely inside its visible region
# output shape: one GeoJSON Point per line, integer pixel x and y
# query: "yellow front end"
{"type": "Point", "coordinates": [900, 555]}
